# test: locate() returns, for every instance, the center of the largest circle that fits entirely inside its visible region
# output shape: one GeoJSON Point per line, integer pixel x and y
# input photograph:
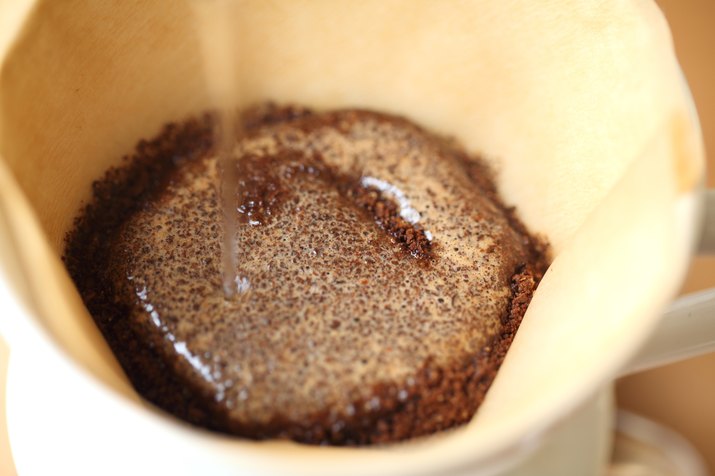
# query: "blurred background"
{"type": "Point", "coordinates": [681, 396]}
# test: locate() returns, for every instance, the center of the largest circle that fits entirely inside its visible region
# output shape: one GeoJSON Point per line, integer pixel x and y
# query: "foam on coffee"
{"type": "Point", "coordinates": [384, 279]}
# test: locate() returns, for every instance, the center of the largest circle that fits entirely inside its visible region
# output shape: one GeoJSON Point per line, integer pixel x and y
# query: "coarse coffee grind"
{"type": "Point", "coordinates": [381, 278]}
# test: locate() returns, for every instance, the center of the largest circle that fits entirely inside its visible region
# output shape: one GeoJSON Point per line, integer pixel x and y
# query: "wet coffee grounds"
{"type": "Point", "coordinates": [381, 278]}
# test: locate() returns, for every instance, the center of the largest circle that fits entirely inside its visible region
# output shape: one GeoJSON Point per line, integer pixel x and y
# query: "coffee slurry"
{"type": "Point", "coordinates": [379, 285]}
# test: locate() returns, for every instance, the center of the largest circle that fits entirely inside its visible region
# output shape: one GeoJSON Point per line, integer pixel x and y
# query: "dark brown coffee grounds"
{"type": "Point", "coordinates": [381, 278]}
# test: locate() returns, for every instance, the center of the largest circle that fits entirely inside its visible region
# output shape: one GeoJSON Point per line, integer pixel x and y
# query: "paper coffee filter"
{"type": "Point", "coordinates": [579, 106]}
